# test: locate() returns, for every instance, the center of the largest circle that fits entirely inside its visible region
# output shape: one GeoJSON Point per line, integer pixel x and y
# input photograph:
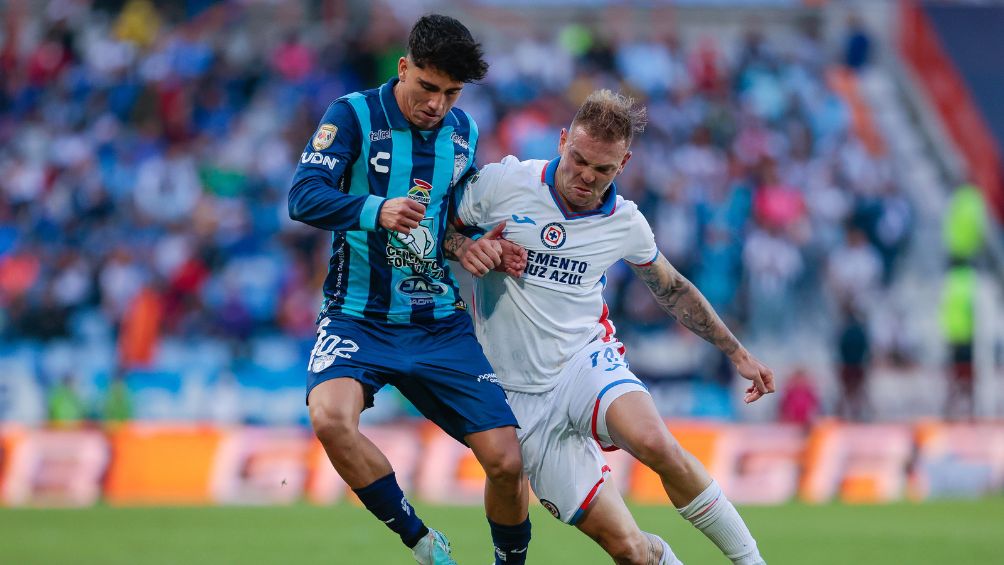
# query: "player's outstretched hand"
{"type": "Point", "coordinates": [750, 368]}
{"type": "Point", "coordinates": [513, 258]}
{"type": "Point", "coordinates": [479, 257]}
{"type": "Point", "coordinates": [401, 214]}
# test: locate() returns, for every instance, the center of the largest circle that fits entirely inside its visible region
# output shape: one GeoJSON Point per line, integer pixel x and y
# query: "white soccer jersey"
{"type": "Point", "coordinates": [531, 327]}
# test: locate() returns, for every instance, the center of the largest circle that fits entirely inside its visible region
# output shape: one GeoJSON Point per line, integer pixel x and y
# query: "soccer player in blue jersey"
{"type": "Point", "coordinates": [378, 173]}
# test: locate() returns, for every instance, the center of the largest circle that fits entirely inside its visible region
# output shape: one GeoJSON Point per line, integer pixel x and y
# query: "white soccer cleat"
{"type": "Point", "coordinates": [433, 549]}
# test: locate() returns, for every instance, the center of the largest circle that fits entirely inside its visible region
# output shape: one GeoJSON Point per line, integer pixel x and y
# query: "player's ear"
{"type": "Point", "coordinates": [562, 139]}
{"type": "Point", "coordinates": [627, 157]}
{"type": "Point", "coordinates": [402, 68]}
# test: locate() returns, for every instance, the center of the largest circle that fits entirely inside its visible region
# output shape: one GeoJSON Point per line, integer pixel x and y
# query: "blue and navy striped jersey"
{"type": "Point", "coordinates": [363, 152]}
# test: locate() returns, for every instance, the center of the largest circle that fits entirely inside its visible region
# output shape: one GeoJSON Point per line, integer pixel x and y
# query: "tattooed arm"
{"type": "Point", "coordinates": [685, 304]}
{"type": "Point", "coordinates": [453, 243]}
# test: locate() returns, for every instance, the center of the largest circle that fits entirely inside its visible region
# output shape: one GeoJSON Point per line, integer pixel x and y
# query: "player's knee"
{"type": "Point", "coordinates": [505, 467]}
{"type": "Point", "coordinates": [332, 425]}
{"type": "Point", "coordinates": [661, 452]}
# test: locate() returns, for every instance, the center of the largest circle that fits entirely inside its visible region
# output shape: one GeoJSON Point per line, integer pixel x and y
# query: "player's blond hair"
{"type": "Point", "coordinates": [611, 116]}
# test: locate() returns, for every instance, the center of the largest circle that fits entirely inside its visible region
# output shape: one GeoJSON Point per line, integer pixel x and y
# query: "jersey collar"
{"type": "Point", "coordinates": [395, 117]}
{"type": "Point", "coordinates": [607, 205]}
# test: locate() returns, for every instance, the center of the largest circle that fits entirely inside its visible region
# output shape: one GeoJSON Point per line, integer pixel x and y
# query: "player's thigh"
{"type": "Point", "coordinates": [497, 450]}
{"type": "Point", "coordinates": [597, 378]}
{"type": "Point", "coordinates": [633, 423]}
{"type": "Point", "coordinates": [566, 469]}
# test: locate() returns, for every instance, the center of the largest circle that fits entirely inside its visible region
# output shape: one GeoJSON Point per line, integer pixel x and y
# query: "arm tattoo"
{"type": "Point", "coordinates": [685, 304]}
{"type": "Point", "coordinates": [452, 242]}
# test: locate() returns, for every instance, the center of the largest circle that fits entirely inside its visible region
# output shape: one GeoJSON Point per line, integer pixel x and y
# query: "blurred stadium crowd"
{"type": "Point", "coordinates": [146, 153]}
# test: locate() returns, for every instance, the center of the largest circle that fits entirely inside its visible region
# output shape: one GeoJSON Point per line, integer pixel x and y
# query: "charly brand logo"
{"type": "Point", "coordinates": [319, 159]}
{"type": "Point", "coordinates": [553, 235]}
{"type": "Point", "coordinates": [376, 162]}
{"type": "Point", "coordinates": [324, 137]}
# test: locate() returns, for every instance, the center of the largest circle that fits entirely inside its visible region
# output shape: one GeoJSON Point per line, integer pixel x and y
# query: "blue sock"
{"type": "Point", "coordinates": [510, 542]}
{"type": "Point", "coordinates": [387, 502]}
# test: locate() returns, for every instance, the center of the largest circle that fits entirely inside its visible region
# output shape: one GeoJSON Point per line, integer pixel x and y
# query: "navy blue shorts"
{"type": "Point", "coordinates": [439, 367]}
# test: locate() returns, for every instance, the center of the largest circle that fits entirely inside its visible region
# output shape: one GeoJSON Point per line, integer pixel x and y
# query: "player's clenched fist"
{"type": "Point", "coordinates": [401, 214]}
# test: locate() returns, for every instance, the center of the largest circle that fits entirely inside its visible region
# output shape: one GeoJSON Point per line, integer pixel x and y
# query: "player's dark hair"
{"type": "Point", "coordinates": [447, 45]}
{"type": "Point", "coordinates": [610, 116]}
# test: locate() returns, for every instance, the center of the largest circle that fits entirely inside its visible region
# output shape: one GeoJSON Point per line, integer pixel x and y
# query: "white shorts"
{"type": "Point", "coordinates": [563, 430]}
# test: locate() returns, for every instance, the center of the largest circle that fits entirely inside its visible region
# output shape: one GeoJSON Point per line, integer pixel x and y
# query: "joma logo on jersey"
{"type": "Point", "coordinates": [553, 235]}
{"type": "Point", "coordinates": [420, 192]}
{"type": "Point", "coordinates": [419, 287]}
{"type": "Point", "coordinates": [319, 159]}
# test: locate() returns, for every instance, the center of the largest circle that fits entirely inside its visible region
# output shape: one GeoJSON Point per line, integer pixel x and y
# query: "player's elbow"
{"type": "Point", "coordinates": [295, 204]}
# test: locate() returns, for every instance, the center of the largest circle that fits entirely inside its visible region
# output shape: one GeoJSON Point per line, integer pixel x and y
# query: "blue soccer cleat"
{"type": "Point", "coordinates": [433, 549]}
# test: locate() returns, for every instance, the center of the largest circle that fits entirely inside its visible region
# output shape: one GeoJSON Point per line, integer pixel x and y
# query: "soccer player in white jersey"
{"type": "Point", "coordinates": [553, 347]}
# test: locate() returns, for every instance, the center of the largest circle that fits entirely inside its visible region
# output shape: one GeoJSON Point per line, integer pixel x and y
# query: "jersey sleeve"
{"type": "Point", "coordinates": [640, 249]}
{"type": "Point", "coordinates": [474, 197]}
{"type": "Point", "coordinates": [318, 195]}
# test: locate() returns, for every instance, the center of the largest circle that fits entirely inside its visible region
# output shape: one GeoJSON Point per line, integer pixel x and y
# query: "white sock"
{"type": "Point", "coordinates": [714, 515]}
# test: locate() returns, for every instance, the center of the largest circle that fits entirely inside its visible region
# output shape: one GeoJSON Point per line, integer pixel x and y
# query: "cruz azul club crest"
{"type": "Point", "coordinates": [553, 235]}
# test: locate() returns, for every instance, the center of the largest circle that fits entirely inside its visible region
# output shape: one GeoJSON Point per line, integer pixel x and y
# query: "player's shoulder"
{"type": "Point", "coordinates": [626, 208]}
{"type": "Point", "coordinates": [515, 172]}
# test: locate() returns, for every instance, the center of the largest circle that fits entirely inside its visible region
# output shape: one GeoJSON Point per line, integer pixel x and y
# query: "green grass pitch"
{"type": "Point", "coordinates": [935, 533]}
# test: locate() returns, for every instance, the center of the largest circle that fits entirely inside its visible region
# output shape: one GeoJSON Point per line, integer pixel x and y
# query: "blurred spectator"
{"type": "Point", "coordinates": [66, 407]}
{"type": "Point", "coordinates": [858, 45]}
{"type": "Point", "coordinates": [854, 352]}
{"type": "Point", "coordinates": [957, 325]}
{"type": "Point", "coordinates": [799, 402]}
{"type": "Point", "coordinates": [965, 223]}
{"type": "Point", "coordinates": [854, 271]}
{"type": "Point", "coordinates": [118, 400]}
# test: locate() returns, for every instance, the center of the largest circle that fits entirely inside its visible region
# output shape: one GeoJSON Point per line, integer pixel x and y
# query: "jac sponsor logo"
{"type": "Point", "coordinates": [380, 135]}
{"type": "Point", "coordinates": [318, 159]}
{"type": "Point", "coordinates": [460, 141]}
{"type": "Point", "coordinates": [420, 287]}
